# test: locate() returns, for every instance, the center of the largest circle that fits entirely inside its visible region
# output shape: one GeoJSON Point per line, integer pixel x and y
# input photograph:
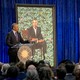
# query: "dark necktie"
{"type": "Point", "coordinates": [16, 35]}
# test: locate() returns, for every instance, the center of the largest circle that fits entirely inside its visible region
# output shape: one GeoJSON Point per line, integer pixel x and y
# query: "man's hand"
{"type": "Point", "coordinates": [34, 39]}
{"type": "Point", "coordinates": [41, 40]}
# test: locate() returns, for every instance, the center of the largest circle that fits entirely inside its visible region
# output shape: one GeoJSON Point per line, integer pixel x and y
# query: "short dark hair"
{"type": "Point", "coordinates": [20, 65]}
{"type": "Point", "coordinates": [30, 62]}
{"type": "Point", "coordinates": [69, 67]}
{"type": "Point", "coordinates": [13, 25]}
{"type": "Point", "coordinates": [34, 18]}
{"type": "Point", "coordinates": [12, 72]}
{"type": "Point", "coordinates": [61, 72]}
{"type": "Point", "coordinates": [45, 73]}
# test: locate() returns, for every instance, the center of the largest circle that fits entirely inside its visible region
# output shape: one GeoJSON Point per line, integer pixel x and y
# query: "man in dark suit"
{"type": "Point", "coordinates": [34, 35]}
{"type": "Point", "coordinates": [13, 38]}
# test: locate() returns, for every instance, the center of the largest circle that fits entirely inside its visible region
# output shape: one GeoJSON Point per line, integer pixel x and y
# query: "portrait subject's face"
{"type": "Point", "coordinates": [34, 23]}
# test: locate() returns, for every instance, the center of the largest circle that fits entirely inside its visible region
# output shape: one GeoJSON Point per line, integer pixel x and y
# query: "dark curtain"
{"type": "Point", "coordinates": [67, 14]}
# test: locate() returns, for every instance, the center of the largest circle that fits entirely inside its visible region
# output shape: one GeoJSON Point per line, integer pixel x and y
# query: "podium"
{"type": "Point", "coordinates": [24, 51]}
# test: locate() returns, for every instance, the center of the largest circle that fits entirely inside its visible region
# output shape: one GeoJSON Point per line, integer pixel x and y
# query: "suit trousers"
{"type": "Point", "coordinates": [39, 45]}
{"type": "Point", "coordinates": [13, 58]}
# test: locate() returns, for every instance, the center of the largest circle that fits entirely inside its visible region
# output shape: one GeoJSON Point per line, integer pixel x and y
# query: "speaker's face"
{"type": "Point", "coordinates": [16, 27]}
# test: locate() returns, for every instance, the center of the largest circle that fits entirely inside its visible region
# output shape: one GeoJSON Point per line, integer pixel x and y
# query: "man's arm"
{"type": "Point", "coordinates": [8, 40]}
{"type": "Point", "coordinates": [40, 35]}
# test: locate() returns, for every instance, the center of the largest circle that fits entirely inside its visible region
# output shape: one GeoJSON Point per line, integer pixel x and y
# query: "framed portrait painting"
{"type": "Point", "coordinates": [46, 17]}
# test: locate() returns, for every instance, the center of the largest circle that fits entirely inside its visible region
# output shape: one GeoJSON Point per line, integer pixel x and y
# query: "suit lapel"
{"type": "Point", "coordinates": [13, 35]}
{"type": "Point", "coordinates": [36, 31]}
{"type": "Point", "coordinates": [33, 31]}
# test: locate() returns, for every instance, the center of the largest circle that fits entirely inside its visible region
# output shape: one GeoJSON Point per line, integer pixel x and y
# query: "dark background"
{"type": "Point", "coordinates": [67, 26]}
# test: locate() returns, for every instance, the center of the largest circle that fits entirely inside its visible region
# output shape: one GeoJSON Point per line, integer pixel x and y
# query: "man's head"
{"type": "Point", "coordinates": [69, 67]}
{"type": "Point", "coordinates": [34, 23]}
{"type": "Point", "coordinates": [15, 27]}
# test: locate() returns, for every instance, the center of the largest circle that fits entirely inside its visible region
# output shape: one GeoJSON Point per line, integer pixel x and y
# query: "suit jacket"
{"type": "Point", "coordinates": [31, 33]}
{"type": "Point", "coordinates": [11, 39]}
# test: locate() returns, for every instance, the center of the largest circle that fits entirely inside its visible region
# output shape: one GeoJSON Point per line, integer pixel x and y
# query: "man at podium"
{"type": "Point", "coordinates": [13, 38]}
